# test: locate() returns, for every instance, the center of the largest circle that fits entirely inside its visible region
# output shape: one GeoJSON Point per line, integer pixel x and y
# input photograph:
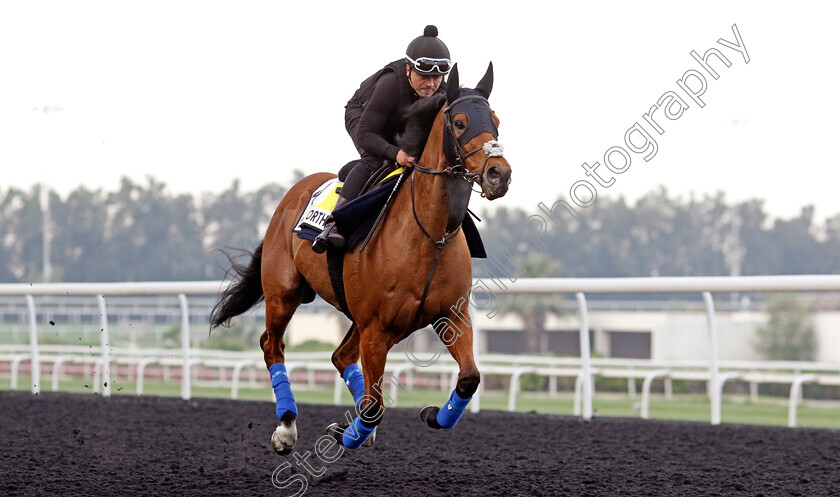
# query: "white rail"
{"type": "Point", "coordinates": [577, 286]}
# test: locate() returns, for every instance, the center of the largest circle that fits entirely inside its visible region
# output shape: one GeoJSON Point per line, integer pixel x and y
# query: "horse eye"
{"type": "Point", "coordinates": [459, 124]}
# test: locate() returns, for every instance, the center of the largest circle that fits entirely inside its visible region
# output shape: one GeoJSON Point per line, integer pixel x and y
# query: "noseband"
{"type": "Point", "coordinates": [453, 147]}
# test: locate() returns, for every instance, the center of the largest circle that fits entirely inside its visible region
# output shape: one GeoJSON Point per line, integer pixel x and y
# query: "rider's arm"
{"type": "Point", "coordinates": [382, 104]}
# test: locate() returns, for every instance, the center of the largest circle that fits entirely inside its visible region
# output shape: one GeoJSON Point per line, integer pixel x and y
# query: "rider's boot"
{"type": "Point", "coordinates": [330, 237]}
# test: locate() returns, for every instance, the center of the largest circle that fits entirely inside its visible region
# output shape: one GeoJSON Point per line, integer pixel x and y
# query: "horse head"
{"type": "Point", "coordinates": [471, 127]}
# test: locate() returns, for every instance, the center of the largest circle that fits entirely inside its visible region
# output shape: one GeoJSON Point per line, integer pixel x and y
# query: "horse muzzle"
{"type": "Point", "coordinates": [496, 179]}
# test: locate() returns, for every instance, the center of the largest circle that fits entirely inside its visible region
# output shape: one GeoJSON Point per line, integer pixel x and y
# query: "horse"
{"type": "Point", "coordinates": [400, 283]}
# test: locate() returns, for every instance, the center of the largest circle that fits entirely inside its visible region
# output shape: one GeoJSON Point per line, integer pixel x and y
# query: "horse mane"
{"type": "Point", "coordinates": [417, 121]}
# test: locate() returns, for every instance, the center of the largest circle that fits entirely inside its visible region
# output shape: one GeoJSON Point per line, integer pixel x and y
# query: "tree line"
{"type": "Point", "coordinates": [665, 235]}
{"type": "Point", "coordinates": [141, 232]}
{"type": "Point", "coordinates": [144, 232]}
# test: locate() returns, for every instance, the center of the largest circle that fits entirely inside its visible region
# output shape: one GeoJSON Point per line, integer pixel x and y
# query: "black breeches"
{"type": "Point", "coordinates": [359, 175]}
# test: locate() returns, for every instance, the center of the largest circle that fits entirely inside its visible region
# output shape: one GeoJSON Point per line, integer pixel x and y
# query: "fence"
{"type": "Point", "coordinates": [583, 369]}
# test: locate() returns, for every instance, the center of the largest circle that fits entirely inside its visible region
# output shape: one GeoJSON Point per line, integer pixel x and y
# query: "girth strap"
{"type": "Point", "coordinates": [335, 268]}
{"type": "Point", "coordinates": [438, 250]}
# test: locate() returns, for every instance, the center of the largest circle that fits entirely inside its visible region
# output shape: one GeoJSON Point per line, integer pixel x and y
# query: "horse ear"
{"type": "Point", "coordinates": [452, 88]}
{"type": "Point", "coordinates": [485, 86]}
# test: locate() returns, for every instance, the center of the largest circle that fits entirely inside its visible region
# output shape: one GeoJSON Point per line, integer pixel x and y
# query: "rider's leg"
{"type": "Point", "coordinates": [359, 175]}
{"type": "Point", "coordinates": [354, 183]}
{"type": "Point", "coordinates": [330, 237]}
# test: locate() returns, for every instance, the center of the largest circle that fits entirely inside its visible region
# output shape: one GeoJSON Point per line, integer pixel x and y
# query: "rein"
{"type": "Point", "coordinates": [454, 175]}
{"type": "Point", "coordinates": [450, 232]}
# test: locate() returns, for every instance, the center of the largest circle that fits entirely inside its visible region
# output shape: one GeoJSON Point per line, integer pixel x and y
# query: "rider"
{"type": "Point", "coordinates": [372, 116]}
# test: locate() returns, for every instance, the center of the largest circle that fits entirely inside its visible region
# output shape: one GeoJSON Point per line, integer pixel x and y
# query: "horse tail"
{"type": "Point", "coordinates": [243, 293]}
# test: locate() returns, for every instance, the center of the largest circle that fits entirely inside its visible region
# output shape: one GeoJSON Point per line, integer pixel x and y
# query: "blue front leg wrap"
{"type": "Point", "coordinates": [356, 434]}
{"type": "Point", "coordinates": [282, 390]}
{"type": "Point", "coordinates": [452, 411]}
{"type": "Point", "coordinates": [355, 381]}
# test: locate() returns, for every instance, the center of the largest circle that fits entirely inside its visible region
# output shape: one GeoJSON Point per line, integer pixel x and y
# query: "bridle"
{"type": "Point", "coordinates": [459, 180]}
{"type": "Point", "coordinates": [456, 156]}
{"type": "Point", "coordinates": [453, 147]}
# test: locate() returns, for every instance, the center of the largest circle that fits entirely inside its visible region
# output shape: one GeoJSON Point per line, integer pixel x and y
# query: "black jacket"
{"type": "Point", "coordinates": [372, 115]}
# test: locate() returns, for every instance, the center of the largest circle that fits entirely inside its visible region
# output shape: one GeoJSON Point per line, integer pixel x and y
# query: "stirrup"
{"type": "Point", "coordinates": [330, 237]}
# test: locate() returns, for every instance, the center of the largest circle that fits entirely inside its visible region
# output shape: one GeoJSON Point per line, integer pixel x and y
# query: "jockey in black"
{"type": "Point", "coordinates": [372, 116]}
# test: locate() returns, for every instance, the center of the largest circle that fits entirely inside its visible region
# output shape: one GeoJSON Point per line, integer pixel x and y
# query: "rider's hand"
{"type": "Point", "coordinates": [404, 159]}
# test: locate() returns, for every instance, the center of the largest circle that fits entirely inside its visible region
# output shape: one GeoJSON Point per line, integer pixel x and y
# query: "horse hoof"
{"type": "Point", "coordinates": [371, 438]}
{"type": "Point", "coordinates": [284, 438]}
{"type": "Point", "coordinates": [336, 431]}
{"type": "Point", "coordinates": [429, 416]}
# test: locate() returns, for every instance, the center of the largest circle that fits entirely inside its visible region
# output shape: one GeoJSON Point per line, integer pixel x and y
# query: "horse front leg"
{"type": "Point", "coordinates": [457, 336]}
{"type": "Point", "coordinates": [374, 345]}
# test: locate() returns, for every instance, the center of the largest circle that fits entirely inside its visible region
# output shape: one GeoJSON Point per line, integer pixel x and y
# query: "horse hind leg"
{"type": "Point", "coordinates": [344, 359]}
{"type": "Point", "coordinates": [279, 312]}
{"type": "Point", "coordinates": [456, 334]}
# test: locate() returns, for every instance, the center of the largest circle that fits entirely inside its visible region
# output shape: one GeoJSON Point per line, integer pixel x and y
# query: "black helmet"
{"type": "Point", "coordinates": [427, 54]}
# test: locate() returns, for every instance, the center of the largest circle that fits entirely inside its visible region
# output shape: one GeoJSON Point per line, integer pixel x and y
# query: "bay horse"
{"type": "Point", "coordinates": [398, 284]}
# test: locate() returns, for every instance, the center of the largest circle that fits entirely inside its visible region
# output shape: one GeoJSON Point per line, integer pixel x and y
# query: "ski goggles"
{"type": "Point", "coordinates": [427, 65]}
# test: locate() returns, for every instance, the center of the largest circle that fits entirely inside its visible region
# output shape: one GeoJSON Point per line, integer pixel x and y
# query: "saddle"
{"type": "Point", "coordinates": [358, 219]}
{"type": "Point", "coordinates": [379, 176]}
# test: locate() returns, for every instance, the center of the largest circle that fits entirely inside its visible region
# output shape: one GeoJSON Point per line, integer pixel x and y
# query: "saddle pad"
{"type": "Point", "coordinates": [319, 207]}
{"type": "Point", "coordinates": [322, 202]}
{"type": "Point", "coordinates": [355, 218]}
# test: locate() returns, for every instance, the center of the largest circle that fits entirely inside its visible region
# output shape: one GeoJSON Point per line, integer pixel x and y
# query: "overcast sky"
{"type": "Point", "coordinates": [198, 93]}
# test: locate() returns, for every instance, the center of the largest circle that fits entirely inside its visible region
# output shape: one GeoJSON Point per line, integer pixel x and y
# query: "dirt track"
{"type": "Point", "coordinates": [80, 445]}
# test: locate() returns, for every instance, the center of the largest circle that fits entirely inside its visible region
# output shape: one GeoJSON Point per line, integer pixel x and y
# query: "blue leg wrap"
{"type": "Point", "coordinates": [452, 411]}
{"type": "Point", "coordinates": [282, 390]}
{"type": "Point", "coordinates": [355, 381]}
{"type": "Point", "coordinates": [356, 434]}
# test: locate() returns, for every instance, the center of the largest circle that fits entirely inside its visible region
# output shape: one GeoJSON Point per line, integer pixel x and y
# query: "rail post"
{"type": "Point", "coordinates": [714, 371]}
{"type": "Point", "coordinates": [237, 370]}
{"type": "Point", "coordinates": [585, 358]}
{"type": "Point", "coordinates": [646, 384]}
{"type": "Point", "coordinates": [186, 385]}
{"type": "Point", "coordinates": [338, 386]}
{"type": "Point", "coordinates": [514, 385]}
{"type": "Point", "coordinates": [795, 393]}
{"type": "Point", "coordinates": [141, 372]}
{"type": "Point", "coordinates": [104, 341]}
{"type": "Point", "coordinates": [35, 361]}
{"type": "Point", "coordinates": [475, 404]}
{"type": "Point", "coordinates": [59, 361]}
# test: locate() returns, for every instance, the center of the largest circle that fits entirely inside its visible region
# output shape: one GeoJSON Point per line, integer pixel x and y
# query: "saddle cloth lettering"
{"type": "Point", "coordinates": [320, 206]}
